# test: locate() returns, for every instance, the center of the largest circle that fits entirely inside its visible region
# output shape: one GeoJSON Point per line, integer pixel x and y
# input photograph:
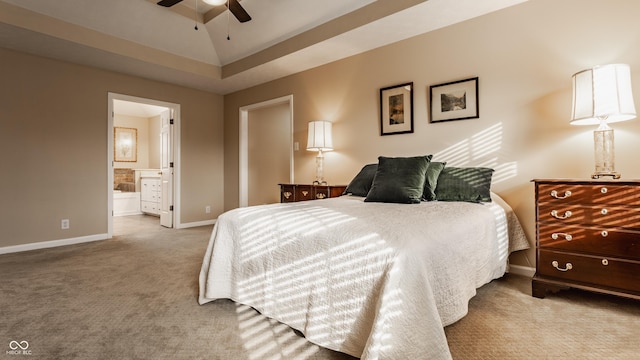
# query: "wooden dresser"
{"type": "Point", "coordinates": [587, 236]}
{"type": "Point", "coordinates": [303, 192]}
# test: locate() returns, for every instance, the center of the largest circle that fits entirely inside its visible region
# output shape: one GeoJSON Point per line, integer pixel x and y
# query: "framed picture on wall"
{"type": "Point", "coordinates": [396, 109]}
{"type": "Point", "coordinates": [457, 100]}
{"type": "Point", "coordinates": [126, 144]}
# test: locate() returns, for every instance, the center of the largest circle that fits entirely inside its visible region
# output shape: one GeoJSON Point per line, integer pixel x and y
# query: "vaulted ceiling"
{"type": "Point", "coordinates": [138, 37]}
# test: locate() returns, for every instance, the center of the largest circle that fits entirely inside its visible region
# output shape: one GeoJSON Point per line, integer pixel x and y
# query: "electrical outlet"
{"type": "Point", "coordinates": [207, 209]}
{"type": "Point", "coordinates": [64, 224]}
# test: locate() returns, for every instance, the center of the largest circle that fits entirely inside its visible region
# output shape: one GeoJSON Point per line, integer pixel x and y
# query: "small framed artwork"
{"type": "Point", "coordinates": [456, 100]}
{"type": "Point", "coordinates": [126, 144]}
{"type": "Point", "coordinates": [396, 109]}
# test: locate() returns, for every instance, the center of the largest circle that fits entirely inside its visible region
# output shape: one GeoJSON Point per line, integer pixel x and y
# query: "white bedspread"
{"type": "Point", "coordinates": [373, 280]}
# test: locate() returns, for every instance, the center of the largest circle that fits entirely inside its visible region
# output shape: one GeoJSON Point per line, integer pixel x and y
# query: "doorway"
{"type": "Point", "coordinates": [154, 162]}
{"type": "Point", "coordinates": [264, 128]}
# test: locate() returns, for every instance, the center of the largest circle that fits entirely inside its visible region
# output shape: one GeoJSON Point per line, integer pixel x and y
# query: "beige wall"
{"type": "Point", "coordinates": [53, 134]}
{"type": "Point", "coordinates": [524, 57]}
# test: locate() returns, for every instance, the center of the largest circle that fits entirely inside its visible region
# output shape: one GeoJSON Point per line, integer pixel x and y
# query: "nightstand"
{"type": "Point", "coordinates": [587, 236]}
{"type": "Point", "coordinates": [303, 192]}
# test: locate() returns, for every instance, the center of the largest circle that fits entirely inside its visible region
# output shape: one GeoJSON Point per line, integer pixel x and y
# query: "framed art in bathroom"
{"type": "Point", "coordinates": [126, 144]}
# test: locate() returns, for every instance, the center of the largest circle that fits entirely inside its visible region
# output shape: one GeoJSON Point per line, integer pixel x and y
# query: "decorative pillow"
{"type": "Point", "coordinates": [361, 184]}
{"type": "Point", "coordinates": [433, 172]}
{"type": "Point", "coordinates": [472, 184]}
{"type": "Point", "coordinates": [399, 180]}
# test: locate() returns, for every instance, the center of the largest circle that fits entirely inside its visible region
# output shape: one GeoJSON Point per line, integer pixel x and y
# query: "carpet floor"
{"type": "Point", "coordinates": [135, 297]}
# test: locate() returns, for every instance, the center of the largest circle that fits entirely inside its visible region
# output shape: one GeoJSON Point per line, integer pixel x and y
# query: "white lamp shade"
{"type": "Point", "coordinates": [215, 2]}
{"type": "Point", "coordinates": [319, 136]}
{"type": "Point", "coordinates": [602, 93]}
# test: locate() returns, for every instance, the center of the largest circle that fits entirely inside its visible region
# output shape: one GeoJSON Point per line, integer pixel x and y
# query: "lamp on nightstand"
{"type": "Point", "coordinates": [602, 95]}
{"type": "Point", "coordinates": [319, 140]}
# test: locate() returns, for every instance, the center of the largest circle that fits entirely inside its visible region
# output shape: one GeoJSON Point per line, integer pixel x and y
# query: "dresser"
{"type": "Point", "coordinates": [150, 195]}
{"type": "Point", "coordinates": [587, 236]}
{"type": "Point", "coordinates": [303, 192]}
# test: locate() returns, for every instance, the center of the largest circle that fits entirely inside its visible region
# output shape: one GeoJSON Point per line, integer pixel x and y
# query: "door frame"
{"type": "Point", "coordinates": [110, 160]}
{"type": "Point", "coordinates": [243, 155]}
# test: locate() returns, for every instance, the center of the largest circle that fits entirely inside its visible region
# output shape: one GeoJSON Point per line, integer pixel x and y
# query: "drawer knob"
{"type": "Point", "coordinates": [604, 233]}
{"type": "Point", "coordinates": [554, 194]}
{"type": "Point", "coordinates": [605, 262]}
{"type": "Point", "coordinates": [604, 190]}
{"type": "Point", "coordinates": [604, 211]}
{"type": "Point", "coordinates": [566, 268]}
{"type": "Point", "coordinates": [567, 237]}
{"type": "Point", "coordinates": [567, 214]}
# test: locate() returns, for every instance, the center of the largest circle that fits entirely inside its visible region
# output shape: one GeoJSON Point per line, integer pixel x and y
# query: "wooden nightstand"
{"type": "Point", "coordinates": [588, 236]}
{"type": "Point", "coordinates": [303, 192]}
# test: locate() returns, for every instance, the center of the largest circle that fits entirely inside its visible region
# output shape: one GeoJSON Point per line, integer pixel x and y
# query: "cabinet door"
{"type": "Point", "coordinates": [148, 190]}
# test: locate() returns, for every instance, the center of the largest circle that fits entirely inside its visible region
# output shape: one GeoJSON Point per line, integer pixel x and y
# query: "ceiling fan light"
{"type": "Point", "coordinates": [215, 2]}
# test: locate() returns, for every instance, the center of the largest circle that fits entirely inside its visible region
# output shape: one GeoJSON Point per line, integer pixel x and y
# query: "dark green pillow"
{"type": "Point", "coordinates": [471, 184]}
{"type": "Point", "coordinates": [433, 172]}
{"type": "Point", "coordinates": [399, 180]}
{"type": "Point", "coordinates": [361, 184]}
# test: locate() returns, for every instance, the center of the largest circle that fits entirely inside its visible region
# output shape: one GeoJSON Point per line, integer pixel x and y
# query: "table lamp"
{"type": "Point", "coordinates": [319, 140]}
{"type": "Point", "coordinates": [602, 95]}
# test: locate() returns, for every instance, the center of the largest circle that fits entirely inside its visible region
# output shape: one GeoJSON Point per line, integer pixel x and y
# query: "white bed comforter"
{"type": "Point", "coordinates": [373, 280]}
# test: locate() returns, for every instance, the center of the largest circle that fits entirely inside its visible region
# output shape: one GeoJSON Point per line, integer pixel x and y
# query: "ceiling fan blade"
{"type": "Point", "coordinates": [168, 3]}
{"type": "Point", "coordinates": [238, 11]}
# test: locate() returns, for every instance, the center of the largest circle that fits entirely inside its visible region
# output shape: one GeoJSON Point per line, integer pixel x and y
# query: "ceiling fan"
{"type": "Point", "coordinates": [234, 6]}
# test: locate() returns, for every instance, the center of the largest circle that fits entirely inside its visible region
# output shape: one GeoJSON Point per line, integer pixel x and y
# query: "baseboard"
{"type": "Point", "coordinates": [196, 224]}
{"type": "Point", "coordinates": [52, 243]}
{"type": "Point", "coordinates": [521, 270]}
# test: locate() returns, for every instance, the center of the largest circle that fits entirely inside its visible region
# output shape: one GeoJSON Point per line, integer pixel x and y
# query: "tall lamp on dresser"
{"type": "Point", "coordinates": [588, 231]}
{"type": "Point", "coordinates": [602, 95]}
{"type": "Point", "coordinates": [319, 139]}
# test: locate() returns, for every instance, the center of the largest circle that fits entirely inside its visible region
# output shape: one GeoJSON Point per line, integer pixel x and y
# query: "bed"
{"type": "Point", "coordinates": [375, 280]}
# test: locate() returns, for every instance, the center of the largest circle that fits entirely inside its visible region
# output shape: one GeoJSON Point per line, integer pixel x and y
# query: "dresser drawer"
{"type": "Point", "coordinates": [321, 192]}
{"type": "Point", "coordinates": [304, 192]}
{"type": "Point", "coordinates": [287, 193]}
{"type": "Point", "coordinates": [610, 194]}
{"type": "Point", "coordinates": [594, 240]}
{"type": "Point", "coordinates": [615, 216]}
{"type": "Point", "coordinates": [590, 270]}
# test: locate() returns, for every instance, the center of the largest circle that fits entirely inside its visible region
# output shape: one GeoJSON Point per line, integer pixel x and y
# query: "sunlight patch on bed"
{"type": "Point", "coordinates": [291, 224]}
{"type": "Point", "coordinates": [502, 232]}
{"type": "Point", "coordinates": [316, 277]}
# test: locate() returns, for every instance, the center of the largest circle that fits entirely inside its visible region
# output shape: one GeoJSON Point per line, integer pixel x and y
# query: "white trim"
{"type": "Point", "coordinates": [52, 243]}
{"type": "Point", "coordinates": [522, 270]}
{"type": "Point", "coordinates": [243, 171]}
{"type": "Point", "coordinates": [197, 223]}
{"type": "Point", "coordinates": [176, 155]}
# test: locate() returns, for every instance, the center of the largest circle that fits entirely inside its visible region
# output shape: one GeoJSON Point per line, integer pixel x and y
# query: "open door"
{"type": "Point", "coordinates": [166, 168]}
